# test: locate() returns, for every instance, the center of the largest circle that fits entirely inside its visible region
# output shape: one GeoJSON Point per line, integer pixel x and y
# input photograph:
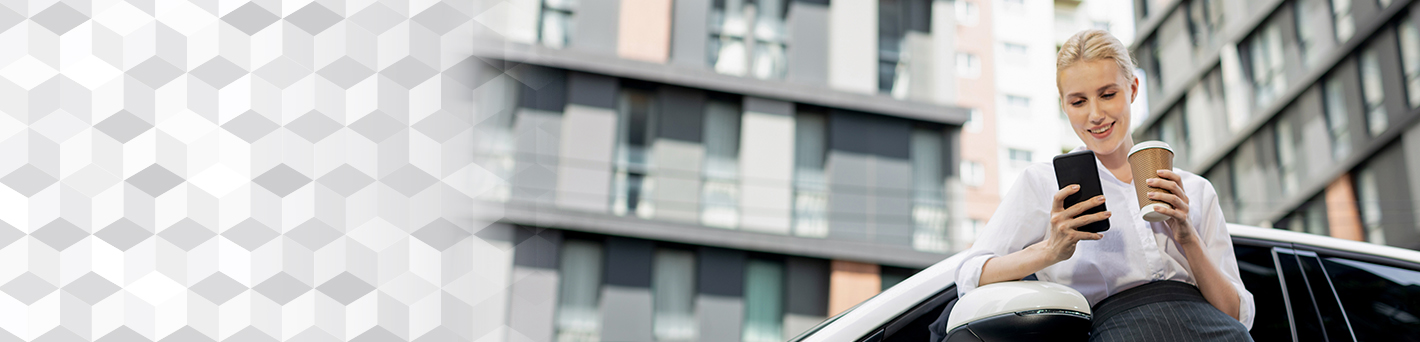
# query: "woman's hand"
{"type": "Point", "coordinates": [1059, 244]}
{"type": "Point", "coordinates": [1178, 221]}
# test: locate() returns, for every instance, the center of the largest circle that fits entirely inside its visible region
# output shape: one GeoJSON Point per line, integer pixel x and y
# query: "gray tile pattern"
{"type": "Point", "coordinates": [249, 102]}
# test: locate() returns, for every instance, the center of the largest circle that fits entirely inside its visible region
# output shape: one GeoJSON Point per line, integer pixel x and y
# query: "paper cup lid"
{"type": "Point", "coordinates": [1150, 144]}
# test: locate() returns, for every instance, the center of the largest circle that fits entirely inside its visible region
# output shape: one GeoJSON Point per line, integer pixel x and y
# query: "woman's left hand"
{"type": "Point", "coordinates": [1178, 220]}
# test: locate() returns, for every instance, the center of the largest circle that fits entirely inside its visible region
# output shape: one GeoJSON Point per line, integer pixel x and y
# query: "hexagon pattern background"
{"type": "Point", "coordinates": [224, 170]}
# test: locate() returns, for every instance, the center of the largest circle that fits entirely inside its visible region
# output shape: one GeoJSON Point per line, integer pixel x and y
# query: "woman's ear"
{"type": "Point", "coordinates": [1133, 89]}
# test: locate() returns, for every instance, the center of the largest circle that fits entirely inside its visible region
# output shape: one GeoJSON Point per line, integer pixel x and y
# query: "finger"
{"type": "Point", "coordinates": [1176, 180]}
{"type": "Point", "coordinates": [1087, 219]}
{"type": "Point", "coordinates": [1078, 235]}
{"type": "Point", "coordinates": [1168, 185]}
{"type": "Point", "coordinates": [1174, 213]}
{"type": "Point", "coordinates": [1079, 208]}
{"type": "Point", "coordinates": [1060, 196]}
{"type": "Point", "coordinates": [1171, 199]}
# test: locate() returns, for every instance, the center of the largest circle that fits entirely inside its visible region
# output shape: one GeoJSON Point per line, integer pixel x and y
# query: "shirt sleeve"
{"type": "Point", "coordinates": [1020, 220]}
{"type": "Point", "coordinates": [1218, 245]}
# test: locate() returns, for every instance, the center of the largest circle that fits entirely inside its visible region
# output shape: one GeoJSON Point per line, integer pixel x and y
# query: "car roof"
{"type": "Point", "coordinates": [1280, 235]}
{"type": "Point", "coordinates": [887, 305]}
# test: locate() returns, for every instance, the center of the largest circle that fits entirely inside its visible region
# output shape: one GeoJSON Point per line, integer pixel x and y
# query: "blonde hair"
{"type": "Point", "coordinates": [1091, 45]}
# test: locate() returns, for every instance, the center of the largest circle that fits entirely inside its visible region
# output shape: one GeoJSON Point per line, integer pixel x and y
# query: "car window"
{"type": "Point", "coordinates": [1329, 309]}
{"type": "Point", "coordinates": [1259, 275]}
{"type": "Point", "coordinates": [1307, 322]}
{"type": "Point", "coordinates": [1383, 302]}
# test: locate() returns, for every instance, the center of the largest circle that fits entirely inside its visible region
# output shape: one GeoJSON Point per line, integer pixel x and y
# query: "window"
{"type": "Point", "coordinates": [1018, 6]}
{"type": "Point", "coordinates": [1384, 3]}
{"type": "Point", "coordinates": [673, 290]}
{"type": "Point", "coordinates": [973, 122]}
{"type": "Point", "coordinates": [1344, 22]}
{"type": "Point", "coordinates": [1369, 199]}
{"type": "Point", "coordinates": [1311, 16]}
{"type": "Point", "coordinates": [1268, 68]}
{"type": "Point", "coordinates": [1372, 92]}
{"type": "Point", "coordinates": [964, 236]}
{"type": "Point", "coordinates": [889, 276]}
{"type": "Point", "coordinates": [1014, 53]}
{"type": "Point", "coordinates": [1379, 299]}
{"type": "Point", "coordinates": [1018, 105]}
{"type": "Point", "coordinates": [1205, 19]}
{"type": "Point", "coordinates": [1258, 271]}
{"type": "Point", "coordinates": [1100, 25]}
{"type": "Point", "coordinates": [748, 37]}
{"type": "Point", "coordinates": [929, 205]}
{"type": "Point", "coordinates": [1309, 218]}
{"type": "Point", "coordinates": [1172, 131]}
{"type": "Point", "coordinates": [810, 182]}
{"type": "Point", "coordinates": [579, 291]}
{"type": "Point", "coordinates": [897, 19]}
{"type": "Point", "coordinates": [764, 301]}
{"type": "Point", "coordinates": [1287, 155]}
{"type": "Point", "coordinates": [1307, 283]}
{"type": "Point", "coordinates": [720, 192]}
{"type": "Point", "coordinates": [1153, 75]}
{"type": "Point", "coordinates": [973, 174]}
{"type": "Point", "coordinates": [1410, 59]}
{"type": "Point", "coordinates": [557, 22]}
{"type": "Point", "coordinates": [1018, 155]}
{"type": "Point", "coordinates": [968, 65]}
{"type": "Point", "coordinates": [636, 131]}
{"type": "Point", "coordinates": [967, 13]}
{"type": "Point", "coordinates": [1336, 119]}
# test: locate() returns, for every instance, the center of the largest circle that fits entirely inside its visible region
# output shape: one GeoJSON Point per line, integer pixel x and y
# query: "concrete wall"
{"type": "Point", "coordinates": [766, 165]}
{"type": "Point", "coordinates": [944, 52]}
{"type": "Point", "coordinates": [870, 178]}
{"type": "Point", "coordinates": [808, 27]}
{"type": "Point", "coordinates": [645, 30]}
{"type": "Point", "coordinates": [537, 137]}
{"type": "Point", "coordinates": [719, 304]}
{"type": "Point", "coordinates": [533, 306]}
{"type": "Point", "coordinates": [679, 154]}
{"type": "Point", "coordinates": [1395, 197]}
{"type": "Point", "coordinates": [597, 24]}
{"type": "Point", "coordinates": [853, 46]}
{"type": "Point", "coordinates": [689, 33]}
{"type": "Point", "coordinates": [626, 294]}
{"type": "Point", "coordinates": [584, 176]}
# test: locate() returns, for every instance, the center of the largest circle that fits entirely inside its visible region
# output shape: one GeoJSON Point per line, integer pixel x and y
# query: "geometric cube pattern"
{"type": "Point", "coordinates": [206, 170]}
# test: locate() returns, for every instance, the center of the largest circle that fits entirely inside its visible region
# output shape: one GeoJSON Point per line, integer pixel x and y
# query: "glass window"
{"type": "Point", "coordinates": [1288, 144]}
{"type": "Point", "coordinates": [1337, 121]}
{"type": "Point", "coordinates": [973, 174]}
{"type": "Point", "coordinates": [1268, 67]}
{"type": "Point", "coordinates": [896, 20]}
{"type": "Point", "coordinates": [579, 291]}
{"type": "Point", "coordinates": [1369, 199]}
{"type": "Point", "coordinates": [1205, 115]}
{"type": "Point", "coordinates": [929, 207]}
{"type": "Point", "coordinates": [673, 290]}
{"type": "Point", "coordinates": [557, 22]}
{"type": "Point", "coordinates": [1299, 298]}
{"type": "Point", "coordinates": [973, 122]}
{"type": "Point", "coordinates": [968, 65]}
{"type": "Point", "coordinates": [1259, 274]}
{"type": "Point", "coordinates": [748, 37]}
{"type": "Point", "coordinates": [1309, 218]}
{"type": "Point", "coordinates": [1345, 23]}
{"type": "Point", "coordinates": [1328, 307]}
{"type": "Point", "coordinates": [1384, 3]}
{"type": "Point", "coordinates": [1175, 133]}
{"type": "Point", "coordinates": [764, 301]}
{"type": "Point", "coordinates": [810, 181]}
{"type": "Point", "coordinates": [1018, 105]}
{"type": "Point", "coordinates": [720, 195]}
{"type": "Point", "coordinates": [967, 13]}
{"type": "Point", "coordinates": [1018, 6]}
{"type": "Point", "coordinates": [1014, 53]}
{"type": "Point", "coordinates": [1018, 155]}
{"type": "Point", "coordinates": [1372, 92]}
{"type": "Point", "coordinates": [636, 110]}
{"type": "Point", "coordinates": [889, 276]}
{"type": "Point", "coordinates": [1382, 302]}
{"type": "Point", "coordinates": [1311, 18]}
{"type": "Point", "coordinates": [1205, 19]}
{"type": "Point", "coordinates": [1410, 59]}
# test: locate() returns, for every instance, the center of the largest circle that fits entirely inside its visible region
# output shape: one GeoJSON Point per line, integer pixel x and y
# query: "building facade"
{"type": "Point", "coordinates": [1302, 113]}
{"type": "Point", "coordinates": [715, 170]}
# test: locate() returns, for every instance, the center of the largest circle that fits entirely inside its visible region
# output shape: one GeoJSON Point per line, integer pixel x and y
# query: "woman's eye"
{"type": "Point", "coordinates": [1109, 95]}
{"type": "Point", "coordinates": [1077, 102]}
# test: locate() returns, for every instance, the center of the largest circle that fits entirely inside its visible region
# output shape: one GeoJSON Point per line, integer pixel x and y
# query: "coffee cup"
{"type": "Point", "coordinates": [1145, 159]}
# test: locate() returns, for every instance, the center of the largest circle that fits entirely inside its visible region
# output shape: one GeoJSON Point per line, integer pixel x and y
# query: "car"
{"type": "Point", "coordinates": [1306, 288]}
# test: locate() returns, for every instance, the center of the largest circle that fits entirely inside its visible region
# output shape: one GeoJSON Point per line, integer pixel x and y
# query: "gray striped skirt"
{"type": "Point", "coordinates": [1163, 311]}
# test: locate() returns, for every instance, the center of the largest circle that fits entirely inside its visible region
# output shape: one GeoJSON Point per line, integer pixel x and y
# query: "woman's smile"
{"type": "Point", "coordinates": [1102, 131]}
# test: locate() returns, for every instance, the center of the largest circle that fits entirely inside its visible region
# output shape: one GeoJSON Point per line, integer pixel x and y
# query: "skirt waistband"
{"type": "Point", "coordinates": [1159, 291]}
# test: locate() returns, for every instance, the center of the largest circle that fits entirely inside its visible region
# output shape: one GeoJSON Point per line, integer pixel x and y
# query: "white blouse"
{"type": "Point", "coordinates": [1133, 252]}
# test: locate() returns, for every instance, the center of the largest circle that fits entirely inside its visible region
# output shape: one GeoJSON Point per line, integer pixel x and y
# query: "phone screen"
{"type": "Point", "coordinates": [1079, 168]}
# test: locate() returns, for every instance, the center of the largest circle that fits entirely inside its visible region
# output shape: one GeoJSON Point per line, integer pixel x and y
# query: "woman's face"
{"type": "Point", "coordinates": [1096, 96]}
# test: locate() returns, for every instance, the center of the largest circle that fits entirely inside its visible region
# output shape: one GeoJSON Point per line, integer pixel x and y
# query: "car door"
{"type": "Point", "coordinates": [1380, 297]}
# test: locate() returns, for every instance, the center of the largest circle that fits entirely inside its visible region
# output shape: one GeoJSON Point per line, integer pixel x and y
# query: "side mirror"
{"type": "Point", "coordinates": [1020, 311]}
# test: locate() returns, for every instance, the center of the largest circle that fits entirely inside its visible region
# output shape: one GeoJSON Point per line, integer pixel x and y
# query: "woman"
{"type": "Point", "coordinates": [1189, 256]}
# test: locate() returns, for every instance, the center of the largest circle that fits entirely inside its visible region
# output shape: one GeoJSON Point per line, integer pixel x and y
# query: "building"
{"type": "Point", "coordinates": [718, 170]}
{"type": "Point", "coordinates": [1302, 113]}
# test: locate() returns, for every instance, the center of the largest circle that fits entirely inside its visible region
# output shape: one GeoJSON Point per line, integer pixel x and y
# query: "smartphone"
{"type": "Point", "coordinates": [1079, 168]}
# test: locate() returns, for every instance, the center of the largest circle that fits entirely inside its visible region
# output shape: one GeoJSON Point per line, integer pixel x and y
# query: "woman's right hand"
{"type": "Point", "coordinates": [1059, 244]}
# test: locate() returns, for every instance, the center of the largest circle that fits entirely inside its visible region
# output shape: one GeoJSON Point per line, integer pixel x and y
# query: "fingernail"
{"type": "Point", "coordinates": [1073, 187]}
